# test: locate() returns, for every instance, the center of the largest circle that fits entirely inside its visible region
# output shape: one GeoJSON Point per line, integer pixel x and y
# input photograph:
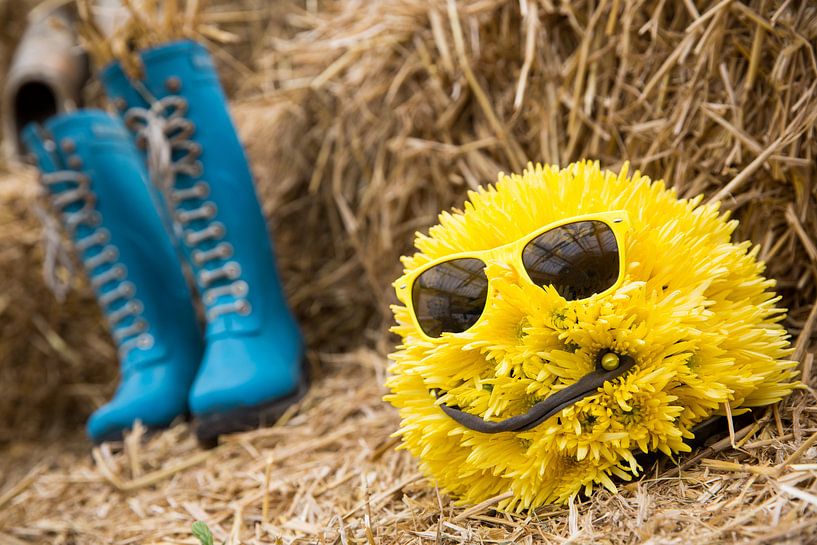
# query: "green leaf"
{"type": "Point", "coordinates": [202, 533]}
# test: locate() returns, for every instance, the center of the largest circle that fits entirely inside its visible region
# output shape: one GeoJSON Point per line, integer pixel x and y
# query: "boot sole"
{"type": "Point", "coordinates": [209, 427]}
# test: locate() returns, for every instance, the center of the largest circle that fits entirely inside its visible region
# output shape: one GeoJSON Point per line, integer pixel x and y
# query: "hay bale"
{"type": "Point", "coordinates": [381, 115]}
{"type": "Point", "coordinates": [413, 103]}
{"type": "Point", "coordinates": [56, 360]}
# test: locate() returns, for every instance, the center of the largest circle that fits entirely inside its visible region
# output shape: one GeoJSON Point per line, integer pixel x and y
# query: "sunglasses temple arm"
{"type": "Point", "coordinates": [543, 410]}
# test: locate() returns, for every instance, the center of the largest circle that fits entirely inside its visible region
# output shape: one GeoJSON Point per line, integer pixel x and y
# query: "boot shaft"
{"type": "Point", "coordinates": [96, 185]}
{"type": "Point", "coordinates": [178, 112]}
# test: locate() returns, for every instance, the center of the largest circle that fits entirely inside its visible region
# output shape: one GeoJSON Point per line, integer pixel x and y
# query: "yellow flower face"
{"type": "Point", "coordinates": [693, 311]}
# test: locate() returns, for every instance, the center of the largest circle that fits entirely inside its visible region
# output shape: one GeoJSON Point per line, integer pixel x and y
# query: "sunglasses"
{"type": "Point", "coordinates": [579, 257]}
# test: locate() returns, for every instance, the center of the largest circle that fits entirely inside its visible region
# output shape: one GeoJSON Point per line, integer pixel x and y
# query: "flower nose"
{"type": "Point", "coordinates": [610, 361]}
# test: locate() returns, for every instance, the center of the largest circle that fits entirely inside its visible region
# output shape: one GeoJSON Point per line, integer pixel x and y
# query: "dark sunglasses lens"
{"type": "Point", "coordinates": [450, 297]}
{"type": "Point", "coordinates": [578, 259]}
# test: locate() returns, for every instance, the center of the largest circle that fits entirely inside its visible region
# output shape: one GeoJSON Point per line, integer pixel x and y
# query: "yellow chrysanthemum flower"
{"type": "Point", "coordinates": [693, 311]}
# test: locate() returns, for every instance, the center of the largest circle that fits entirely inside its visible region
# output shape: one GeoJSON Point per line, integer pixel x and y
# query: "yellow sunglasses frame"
{"type": "Point", "coordinates": [618, 221]}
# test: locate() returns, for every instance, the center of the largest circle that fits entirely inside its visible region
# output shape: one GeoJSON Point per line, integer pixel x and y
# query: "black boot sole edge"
{"type": "Point", "coordinates": [209, 427]}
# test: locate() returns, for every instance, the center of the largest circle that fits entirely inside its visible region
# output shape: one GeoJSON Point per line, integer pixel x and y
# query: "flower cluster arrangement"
{"type": "Point", "coordinates": [693, 310]}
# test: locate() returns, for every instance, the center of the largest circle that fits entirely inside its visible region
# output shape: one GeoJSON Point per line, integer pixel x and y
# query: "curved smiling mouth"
{"type": "Point", "coordinates": [551, 405]}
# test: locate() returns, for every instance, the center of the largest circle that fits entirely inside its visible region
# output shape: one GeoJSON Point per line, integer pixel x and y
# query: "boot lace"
{"type": "Point", "coordinates": [70, 197]}
{"type": "Point", "coordinates": [172, 158]}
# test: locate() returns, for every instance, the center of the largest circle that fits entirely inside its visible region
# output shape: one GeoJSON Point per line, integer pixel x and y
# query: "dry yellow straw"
{"type": "Point", "coordinates": [148, 24]}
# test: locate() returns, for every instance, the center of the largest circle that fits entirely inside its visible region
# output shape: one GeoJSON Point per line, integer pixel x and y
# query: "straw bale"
{"type": "Point", "coordinates": [57, 360]}
{"type": "Point", "coordinates": [363, 120]}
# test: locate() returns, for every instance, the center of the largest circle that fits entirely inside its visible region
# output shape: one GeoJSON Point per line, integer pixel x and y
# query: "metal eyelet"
{"type": "Point", "coordinates": [225, 250]}
{"type": "Point", "coordinates": [240, 288]}
{"type": "Point", "coordinates": [243, 307]}
{"type": "Point", "coordinates": [103, 236]}
{"type": "Point", "coordinates": [96, 218]}
{"type": "Point", "coordinates": [74, 162]}
{"type": "Point", "coordinates": [209, 299]}
{"type": "Point", "coordinates": [145, 341]}
{"type": "Point", "coordinates": [136, 306]}
{"type": "Point", "coordinates": [211, 209]}
{"type": "Point", "coordinates": [202, 189]}
{"type": "Point", "coordinates": [218, 229]}
{"type": "Point", "coordinates": [197, 256]}
{"type": "Point", "coordinates": [68, 145]}
{"type": "Point", "coordinates": [233, 270]}
{"type": "Point", "coordinates": [121, 271]}
{"type": "Point", "coordinates": [173, 84]}
{"type": "Point", "coordinates": [127, 289]}
{"type": "Point", "coordinates": [112, 253]}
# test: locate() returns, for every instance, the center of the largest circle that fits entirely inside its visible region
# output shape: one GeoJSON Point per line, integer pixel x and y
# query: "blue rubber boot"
{"type": "Point", "coordinates": [252, 368]}
{"type": "Point", "coordinates": [96, 185]}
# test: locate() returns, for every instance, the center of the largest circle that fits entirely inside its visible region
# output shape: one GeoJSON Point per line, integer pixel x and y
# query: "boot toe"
{"type": "Point", "coordinates": [149, 396]}
{"type": "Point", "coordinates": [244, 372]}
